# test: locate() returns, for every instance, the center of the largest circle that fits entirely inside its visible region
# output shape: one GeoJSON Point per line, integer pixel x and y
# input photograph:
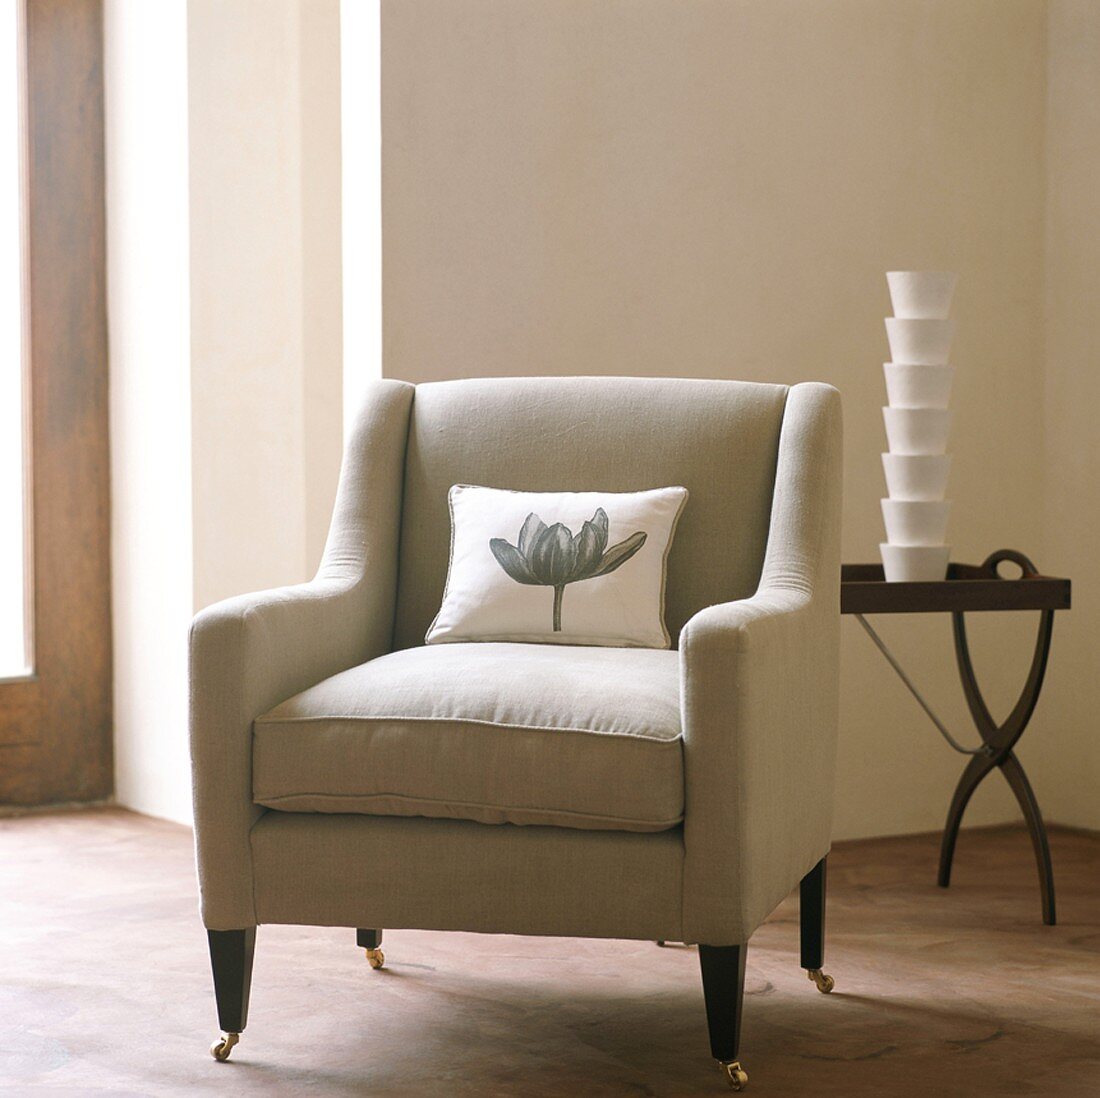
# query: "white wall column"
{"type": "Point", "coordinates": [361, 132]}
{"type": "Point", "coordinates": [265, 289]}
{"type": "Point", "coordinates": [225, 326]}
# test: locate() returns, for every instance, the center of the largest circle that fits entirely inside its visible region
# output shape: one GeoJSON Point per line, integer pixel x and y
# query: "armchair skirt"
{"type": "Point", "coordinates": [460, 875]}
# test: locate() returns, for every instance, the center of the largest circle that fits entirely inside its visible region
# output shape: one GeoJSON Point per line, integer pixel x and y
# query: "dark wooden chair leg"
{"type": "Point", "coordinates": [811, 911]}
{"type": "Point", "coordinates": [231, 953]}
{"type": "Point", "coordinates": [723, 969]}
{"type": "Point", "coordinates": [371, 941]}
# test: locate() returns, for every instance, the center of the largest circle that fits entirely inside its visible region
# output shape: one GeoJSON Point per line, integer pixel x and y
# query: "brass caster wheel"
{"type": "Point", "coordinates": [223, 1046]}
{"type": "Point", "coordinates": [824, 983]}
{"type": "Point", "coordinates": [376, 957]}
{"type": "Point", "coordinates": [735, 1075]}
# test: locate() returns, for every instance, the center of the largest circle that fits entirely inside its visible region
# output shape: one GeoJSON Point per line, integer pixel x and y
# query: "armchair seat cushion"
{"type": "Point", "coordinates": [568, 736]}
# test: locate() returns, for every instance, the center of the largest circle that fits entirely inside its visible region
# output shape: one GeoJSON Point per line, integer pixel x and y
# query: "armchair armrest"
{"type": "Point", "coordinates": [251, 652]}
{"type": "Point", "coordinates": [759, 698]}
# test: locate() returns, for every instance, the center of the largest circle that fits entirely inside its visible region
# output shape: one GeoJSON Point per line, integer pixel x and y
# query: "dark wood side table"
{"type": "Point", "coordinates": [970, 587]}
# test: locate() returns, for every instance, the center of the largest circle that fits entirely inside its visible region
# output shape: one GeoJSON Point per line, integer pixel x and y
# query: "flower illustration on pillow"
{"type": "Point", "coordinates": [552, 556]}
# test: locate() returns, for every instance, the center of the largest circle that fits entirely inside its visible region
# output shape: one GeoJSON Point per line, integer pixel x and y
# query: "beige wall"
{"type": "Point", "coordinates": [688, 187]}
{"type": "Point", "coordinates": [264, 96]}
{"type": "Point", "coordinates": [715, 188]}
{"type": "Point", "coordinates": [1071, 756]}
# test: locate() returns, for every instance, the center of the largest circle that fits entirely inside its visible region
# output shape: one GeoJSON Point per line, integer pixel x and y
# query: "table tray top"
{"type": "Point", "coordinates": [864, 590]}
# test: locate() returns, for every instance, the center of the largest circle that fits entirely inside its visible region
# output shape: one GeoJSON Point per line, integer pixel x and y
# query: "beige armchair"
{"type": "Point", "coordinates": [345, 774]}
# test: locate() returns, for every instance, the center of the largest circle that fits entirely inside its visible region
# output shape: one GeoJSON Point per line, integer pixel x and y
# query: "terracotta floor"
{"type": "Point", "coordinates": [104, 986]}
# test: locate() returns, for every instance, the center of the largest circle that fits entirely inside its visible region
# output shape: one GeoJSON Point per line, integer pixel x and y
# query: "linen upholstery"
{"type": "Point", "coordinates": [423, 874]}
{"type": "Point", "coordinates": [759, 594]}
{"type": "Point", "coordinates": [759, 695]}
{"type": "Point", "coordinates": [499, 733]}
{"type": "Point", "coordinates": [573, 434]}
{"type": "Point", "coordinates": [250, 652]}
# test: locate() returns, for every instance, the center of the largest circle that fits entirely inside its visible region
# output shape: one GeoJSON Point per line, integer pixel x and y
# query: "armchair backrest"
{"type": "Point", "coordinates": [719, 439]}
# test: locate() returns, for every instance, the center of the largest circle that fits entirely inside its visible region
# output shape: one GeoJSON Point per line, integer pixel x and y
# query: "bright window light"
{"type": "Point", "coordinates": [14, 656]}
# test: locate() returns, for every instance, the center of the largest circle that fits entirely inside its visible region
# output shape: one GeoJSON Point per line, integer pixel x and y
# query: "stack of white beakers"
{"type": "Point", "coordinates": [918, 388]}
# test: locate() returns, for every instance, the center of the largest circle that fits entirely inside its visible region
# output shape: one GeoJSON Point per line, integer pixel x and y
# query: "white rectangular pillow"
{"type": "Point", "coordinates": [558, 567]}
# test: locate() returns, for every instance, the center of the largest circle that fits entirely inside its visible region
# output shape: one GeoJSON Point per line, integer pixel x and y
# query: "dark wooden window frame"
{"type": "Point", "coordinates": [56, 725]}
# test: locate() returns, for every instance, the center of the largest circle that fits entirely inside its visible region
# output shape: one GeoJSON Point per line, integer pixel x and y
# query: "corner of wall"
{"type": "Point", "coordinates": [1068, 759]}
